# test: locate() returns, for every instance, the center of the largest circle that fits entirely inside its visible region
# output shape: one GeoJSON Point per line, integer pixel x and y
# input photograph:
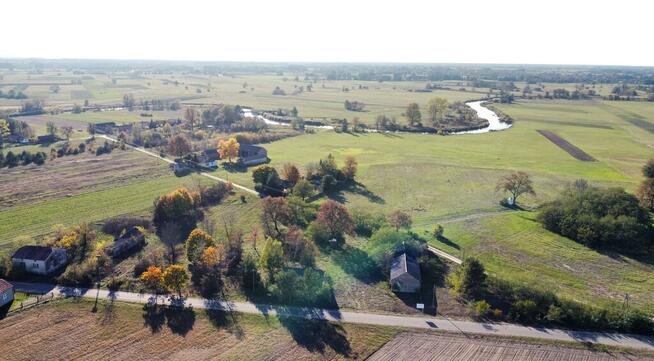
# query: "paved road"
{"type": "Point", "coordinates": [422, 322]}
{"type": "Point", "coordinates": [210, 176]}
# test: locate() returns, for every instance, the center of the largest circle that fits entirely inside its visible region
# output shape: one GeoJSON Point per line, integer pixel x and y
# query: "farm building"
{"type": "Point", "coordinates": [209, 158]}
{"type": "Point", "coordinates": [15, 138]}
{"type": "Point", "coordinates": [46, 139]}
{"type": "Point", "coordinates": [405, 274]}
{"type": "Point", "coordinates": [131, 240]}
{"type": "Point", "coordinates": [6, 293]}
{"type": "Point", "coordinates": [252, 155]}
{"type": "Point", "coordinates": [40, 260]}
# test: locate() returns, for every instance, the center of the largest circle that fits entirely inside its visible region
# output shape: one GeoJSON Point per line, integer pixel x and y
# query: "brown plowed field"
{"type": "Point", "coordinates": [572, 149]}
{"type": "Point", "coordinates": [437, 347]}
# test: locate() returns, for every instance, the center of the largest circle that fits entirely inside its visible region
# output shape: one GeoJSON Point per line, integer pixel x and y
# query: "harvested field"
{"type": "Point", "coordinates": [41, 120]}
{"type": "Point", "coordinates": [68, 330]}
{"type": "Point", "coordinates": [573, 150]}
{"type": "Point", "coordinates": [438, 347]}
{"type": "Point", "coordinates": [75, 174]}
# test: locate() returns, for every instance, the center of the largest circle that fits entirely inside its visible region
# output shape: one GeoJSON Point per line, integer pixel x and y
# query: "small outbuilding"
{"type": "Point", "coordinates": [40, 260]}
{"type": "Point", "coordinates": [129, 241]}
{"type": "Point", "coordinates": [405, 274]}
{"type": "Point", "coordinates": [249, 154]}
{"type": "Point", "coordinates": [6, 293]}
{"type": "Point", "coordinates": [209, 158]}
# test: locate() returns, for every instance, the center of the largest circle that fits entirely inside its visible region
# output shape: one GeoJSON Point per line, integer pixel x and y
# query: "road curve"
{"type": "Point", "coordinates": [421, 322]}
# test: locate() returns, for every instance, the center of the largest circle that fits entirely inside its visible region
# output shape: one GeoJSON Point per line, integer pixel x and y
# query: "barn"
{"type": "Point", "coordinates": [405, 274]}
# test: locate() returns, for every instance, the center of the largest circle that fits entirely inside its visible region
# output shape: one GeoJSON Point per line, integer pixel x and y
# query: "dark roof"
{"type": "Point", "coordinates": [249, 148]}
{"type": "Point", "coordinates": [4, 286]}
{"type": "Point", "coordinates": [133, 232]}
{"type": "Point", "coordinates": [47, 138]}
{"type": "Point", "coordinates": [211, 153]}
{"type": "Point", "coordinates": [37, 253]}
{"type": "Point", "coordinates": [405, 263]}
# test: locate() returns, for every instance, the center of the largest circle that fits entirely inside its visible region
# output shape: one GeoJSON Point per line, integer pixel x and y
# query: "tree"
{"type": "Point", "coordinates": [176, 206]}
{"type": "Point", "coordinates": [170, 234]}
{"type": "Point", "coordinates": [272, 257]}
{"type": "Point", "coordinates": [303, 189]}
{"type": "Point", "coordinates": [4, 130]}
{"type": "Point", "coordinates": [399, 219]}
{"type": "Point", "coordinates": [648, 169]}
{"type": "Point", "coordinates": [413, 115]}
{"type": "Point", "coordinates": [91, 129]}
{"type": "Point", "coordinates": [436, 108]}
{"type": "Point", "coordinates": [67, 131]}
{"type": "Point", "coordinates": [228, 149]}
{"type": "Point", "coordinates": [153, 278]}
{"type": "Point", "coordinates": [336, 218]}
{"type": "Point", "coordinates": [350, 168]}
{"type": "Point", "coordinates": [191, 117]}
{"type": "Point", "coordinates": [175, 278]}
{"type": "Point", "coordinates": [294, 112]}
{"type": "Point", "coordinates": [128, 101]}
{"type": "Point", "coordinates": [197, 241]}
{"type": "Point", "coordinates": [517, 184]}
{"type": "Point", "coordinates": [179, 145]}
{"type": "Point", "coordinates": [213, 256]}
{"type": "Point", "coordinates": [266, 180]}
{"type": "Point", "coordinates": [290, 173]}
{"type": "Point", "coordinates": [51, 128]}
{"type": "Point", "coordinates": [645, 194]}
{"type": "Point", "coordinates": [274, 212]}
{"type": "Point", "coordinates": [469, 280]}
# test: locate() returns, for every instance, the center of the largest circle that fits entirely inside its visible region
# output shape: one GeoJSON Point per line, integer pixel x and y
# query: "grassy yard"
{"type": "Point", "coordinates": [126, 331]}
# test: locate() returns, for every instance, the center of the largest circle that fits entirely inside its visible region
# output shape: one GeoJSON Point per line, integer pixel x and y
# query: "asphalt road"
{"type": "Point", "coordinates": [421, 322]}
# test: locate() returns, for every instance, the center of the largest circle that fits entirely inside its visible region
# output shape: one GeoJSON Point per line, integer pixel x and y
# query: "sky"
{"type": "Point", "coordinates": [432, 31]}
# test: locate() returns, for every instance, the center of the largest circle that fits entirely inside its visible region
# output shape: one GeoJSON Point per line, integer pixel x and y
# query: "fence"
{"type": "Point", "coordinates": [29, 303]}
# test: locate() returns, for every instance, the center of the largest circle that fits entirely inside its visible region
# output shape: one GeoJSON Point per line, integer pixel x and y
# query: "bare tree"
{"type": "Point", "coordinates": [517, 184]}
{"type": "Point", "coordinates": [170, 235]}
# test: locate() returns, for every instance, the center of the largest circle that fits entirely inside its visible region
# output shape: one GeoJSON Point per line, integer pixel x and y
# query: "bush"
{"type": "Point", "coordinates": [215, 193]}
{"type": "Point", "coordinates": [469, 280]}
{"type": "Point", "coordinates": [365, 224]}
{"type": "Point", "coordinates": [482, 308]}
{"type": "Point", "coordinates": [525, 311]}
{"type": "Point", "coordinates": [115, 226]}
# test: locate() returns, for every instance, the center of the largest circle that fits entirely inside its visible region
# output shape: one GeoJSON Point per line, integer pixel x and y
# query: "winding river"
{"type": "Point", "coordinates": [494, 123]}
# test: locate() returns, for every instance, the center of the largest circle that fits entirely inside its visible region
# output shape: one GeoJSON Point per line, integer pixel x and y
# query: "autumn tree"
{"type": "Point", "coordinates": [350, 168]}
{"type": "Point", "coordinates": [290, 173]}
{"type": "Point", "coordinates": [436, 108]}
{"type": "Point", "coordinates": [272, 257]}
{"type": "Point", "coordinates": [335, 218]}
{"type": "Point", "coordinates": [274, 212]}
{"type": "Point", "coordinates": [212, 256]}
{"type": "Point", "coordinates": [175, 278]}
{"type": "Point", "coordinates": [179, 145]}
{"type": "Point", "coordinates": [413, 115]}
{"type": "Point", "coordinates": [399, 219]}
{"type": "Point", "coordinates": [153, 278]}
{"type": "Point", "coordinates": [197, 241]}
{"type": "Point", "coordinates": [191, 117]}
{"type": "Point", "coordinates": [177, 206]}
{"type": "Point", "coordinates": [516, 184]}
{"type": "Point", "coordinates": [228, 148]}
{"type": "Point", "coordinates": [469, 280]}
{"type": "Point", "coordinates": [67, 131]}
{"type": "Point", "coordinates": [4, 131]}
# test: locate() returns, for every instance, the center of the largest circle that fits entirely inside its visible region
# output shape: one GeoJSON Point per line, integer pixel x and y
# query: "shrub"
{"type": "Point", "coordinates": [469, 280]}
{"type": "Point", "coordinates": [525, 311]}
{"type": "Point", "coordinates": [365, 224]}
{"type": "Point", "coordinates": [215, 193]}
{"type": "Point", "coordinates": [115, 226]}
{"type": "Point", "coordinates": [482, 308]}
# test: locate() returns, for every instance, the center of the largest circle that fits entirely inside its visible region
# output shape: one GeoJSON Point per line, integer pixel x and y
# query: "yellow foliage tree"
{"type": "Point", "coordinates": [213, 256]}
{"type": "Point", "coordinates": [228, 148]}
{"type": "Point", "coordinates": [196, 243]}
{"type": "Point", "coordinates": [153, 278]}
{"type": "Point", "coordinates": [175, 278]}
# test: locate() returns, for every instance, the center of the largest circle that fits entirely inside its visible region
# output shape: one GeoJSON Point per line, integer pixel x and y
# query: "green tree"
{"type": "Point", "coordinates": [399, 219]}
{"type": "Point", "coordinates": [303, 189]}
{"type": "Point", "coordinates": [469, 280]}
{"type": "Point", "coordinates": [51, 128]}
{"type": "Point", "coordinates": [648, 169]}
{"type": "Point", "coordinates": [4, 130]}
{"type": "Point", "coordinates": [516, 184]}
{"type": "Point", "coordinates": [413, 115]}
{"type": "Point", "coordinates": [272, 257]}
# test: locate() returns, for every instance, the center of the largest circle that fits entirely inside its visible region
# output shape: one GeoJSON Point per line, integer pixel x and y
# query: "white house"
{"type": "Point", "coordinates": [39, 260]}
{"type": "Point", "coordinates": [6, 293]}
